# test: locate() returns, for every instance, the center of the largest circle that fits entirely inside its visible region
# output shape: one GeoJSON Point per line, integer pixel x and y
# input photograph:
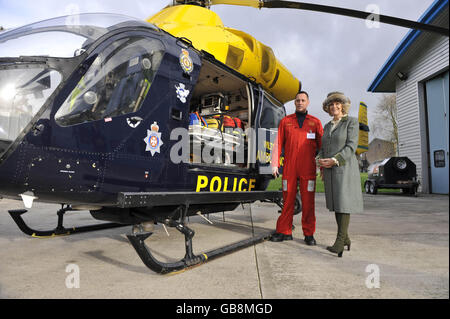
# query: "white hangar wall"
{"type": "Point", "coordinates": [432, 60]}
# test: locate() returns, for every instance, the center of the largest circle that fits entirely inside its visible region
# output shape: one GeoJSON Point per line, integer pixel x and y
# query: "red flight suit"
{"type": "Point", "coordinates": [300, 148]}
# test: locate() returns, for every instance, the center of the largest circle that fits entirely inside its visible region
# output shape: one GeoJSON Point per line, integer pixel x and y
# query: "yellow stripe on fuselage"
{"type": "Point", "coordinates": [363, 138]}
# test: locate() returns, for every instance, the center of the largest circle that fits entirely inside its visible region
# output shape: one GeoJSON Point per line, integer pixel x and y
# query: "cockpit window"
{"type": "Point", "coordinates": [63, 37]}
{"type": "Point", "coordinates": [23, 91]}
{"type": "Point", "coordinates": [64, 45]}
{"type": "Point", "coordinates": [117, 82]}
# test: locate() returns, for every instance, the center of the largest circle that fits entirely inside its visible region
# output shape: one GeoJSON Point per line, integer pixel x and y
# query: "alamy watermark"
{"type": "Point", "coordinates": [230, 146]}
{"type": "Point", "coordinates": [373, 20]}
{"type": "Point", "coordinates": [373, 279]}
{"type": "Point", "coordinates": [73, 279]}
{"type": "Point", "coordinates": [72, 11]}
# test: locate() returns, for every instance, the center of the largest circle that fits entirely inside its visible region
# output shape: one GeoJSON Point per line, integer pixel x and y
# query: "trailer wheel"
{"type": "Point", "coordinates": [406, 190]}
{"type": "Point", "coordinates": [367, 187]}
{"type": "Point", "coordinates": [370, 188]}
{"type": "Point", "coordinates": [410, 190]}
{"type": "Point", "coordinates": [373, 189]}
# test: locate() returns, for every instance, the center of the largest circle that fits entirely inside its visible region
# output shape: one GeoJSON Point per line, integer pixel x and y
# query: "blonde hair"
{"type": "Point", "coordinates": [337, 97]}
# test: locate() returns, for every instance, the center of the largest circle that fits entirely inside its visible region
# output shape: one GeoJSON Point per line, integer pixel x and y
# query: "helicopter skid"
{"type": "Point", "coordinates": [190, 260]}
{"type": "Point", "coordinates": [60, 230]}
{"type": "Point", "coordinates": [184, 200]}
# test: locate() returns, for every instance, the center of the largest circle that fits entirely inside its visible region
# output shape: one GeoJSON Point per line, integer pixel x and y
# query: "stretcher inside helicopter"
{"type": "Point", "coordinates": [223, 115]}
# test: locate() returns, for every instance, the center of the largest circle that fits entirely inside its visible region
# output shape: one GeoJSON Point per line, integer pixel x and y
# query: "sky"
{"type": "Point", "coordinates": [325, 52]}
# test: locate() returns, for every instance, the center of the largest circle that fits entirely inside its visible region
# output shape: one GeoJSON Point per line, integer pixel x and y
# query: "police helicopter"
{"type": "Point", "coordinates": [145, 122]}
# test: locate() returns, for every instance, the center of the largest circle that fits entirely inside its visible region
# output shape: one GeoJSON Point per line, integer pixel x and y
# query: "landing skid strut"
{"type": "Point", "coordinates": [189, 260]}
{"type": "Point", "coordinates": [60, 230]}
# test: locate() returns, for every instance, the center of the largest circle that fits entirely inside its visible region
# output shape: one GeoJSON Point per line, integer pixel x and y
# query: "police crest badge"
{"type": "Point", "coordinates": [153, 140]}
{"type": "Point", "coordinates": [182, 92]}
{"type": "Point", "coordinates": [186, 62]}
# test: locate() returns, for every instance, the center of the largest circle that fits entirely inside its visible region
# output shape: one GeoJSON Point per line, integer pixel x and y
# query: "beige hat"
{"type": "Point", "coordinates": [339, 97]}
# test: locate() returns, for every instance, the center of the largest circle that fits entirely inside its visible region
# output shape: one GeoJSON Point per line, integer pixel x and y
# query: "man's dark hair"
{"type": "Point", "coordinates": [303, 92]}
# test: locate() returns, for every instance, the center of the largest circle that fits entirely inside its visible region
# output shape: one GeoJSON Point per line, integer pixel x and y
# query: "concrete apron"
{"type": "Point", "coordinates": [400, 249]}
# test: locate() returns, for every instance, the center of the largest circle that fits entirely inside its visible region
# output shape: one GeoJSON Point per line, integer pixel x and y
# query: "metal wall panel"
{"type": "Point", "coordinates": [413, 138]}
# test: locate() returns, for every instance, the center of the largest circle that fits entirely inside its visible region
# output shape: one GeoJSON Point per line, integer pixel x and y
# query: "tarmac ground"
{"type": "Point", "coordinates": [400, 249]}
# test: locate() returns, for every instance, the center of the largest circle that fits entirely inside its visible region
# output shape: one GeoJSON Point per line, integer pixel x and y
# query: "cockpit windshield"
{"type": "Point", "coordinates": [23, 91]}
{"type": "Point", "coordinates": [26, 84]}
{"type": "Point", "coordinates": [62, 37]}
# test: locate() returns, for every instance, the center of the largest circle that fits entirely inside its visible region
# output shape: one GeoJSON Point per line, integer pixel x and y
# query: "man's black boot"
{"type": "Point", "coordinates": [280, 237]}
{"type": "Point", "coordinates": [310, 241]}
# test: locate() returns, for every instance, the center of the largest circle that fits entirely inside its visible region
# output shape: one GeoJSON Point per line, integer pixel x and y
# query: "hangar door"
{"type": "Point", "coordinates": [437, 108]}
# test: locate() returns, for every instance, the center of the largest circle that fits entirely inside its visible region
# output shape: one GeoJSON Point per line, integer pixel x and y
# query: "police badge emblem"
{"type": "Point", "coordinates": [182, 92]}
{"type": "Point", "coordinates": [153, 140]}
{"type": "Point", "coordinates": [134, 121]}
{"type": "Point", "coordinates": [186, 62]}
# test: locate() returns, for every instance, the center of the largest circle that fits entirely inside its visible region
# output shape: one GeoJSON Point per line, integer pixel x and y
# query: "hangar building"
{"type": "Point", "coordinates": [417, 71]}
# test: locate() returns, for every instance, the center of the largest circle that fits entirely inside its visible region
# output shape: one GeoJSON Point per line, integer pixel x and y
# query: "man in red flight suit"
{"type": "Point", "coordinates": [300, 135]}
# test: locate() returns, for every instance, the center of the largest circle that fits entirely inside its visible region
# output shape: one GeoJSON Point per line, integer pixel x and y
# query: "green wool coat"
{"type": "Point", "coordinates": [342, 183]}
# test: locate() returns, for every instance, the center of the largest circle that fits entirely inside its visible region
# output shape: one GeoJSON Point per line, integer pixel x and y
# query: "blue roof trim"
{"type": "Point", "coordinates": [427, 17]}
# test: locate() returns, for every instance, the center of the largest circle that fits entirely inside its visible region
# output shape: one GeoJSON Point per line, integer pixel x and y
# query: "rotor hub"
{"type": "Point", "coordinates": [202, 3]}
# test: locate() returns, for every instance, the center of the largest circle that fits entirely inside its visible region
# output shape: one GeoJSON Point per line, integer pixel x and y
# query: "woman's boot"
{"type": "Point", "coordinates": [347, 242]}
{"type": "Point", "coordinates": [342, 239]}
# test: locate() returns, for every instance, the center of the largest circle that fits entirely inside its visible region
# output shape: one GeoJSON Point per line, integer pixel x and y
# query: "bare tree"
{"type": "Point", "coordinates": [385, 123]}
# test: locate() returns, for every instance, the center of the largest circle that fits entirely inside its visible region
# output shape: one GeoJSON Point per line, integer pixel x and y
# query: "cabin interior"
{"type": "Point", "coordinates": [220, 112]}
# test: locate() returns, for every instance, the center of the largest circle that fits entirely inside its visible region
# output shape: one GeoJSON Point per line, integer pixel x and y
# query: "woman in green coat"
{"type": "Point", "coordinates": [340, 167]}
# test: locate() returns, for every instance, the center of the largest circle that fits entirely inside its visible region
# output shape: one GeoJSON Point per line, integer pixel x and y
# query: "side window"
{"type": "Point", "coordinates": [271, 114]}
{"type": "Point", "coordinates": [117, 82]}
